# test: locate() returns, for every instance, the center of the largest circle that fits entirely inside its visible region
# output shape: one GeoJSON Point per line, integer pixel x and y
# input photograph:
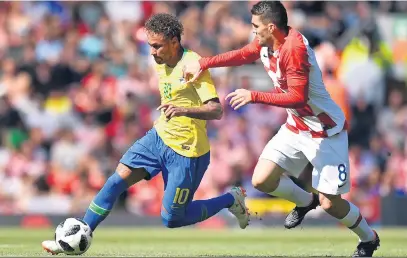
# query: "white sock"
{"type": "Point", "coordinates": [288, 190]}
{"type": "Point", "coordinates": [355, 222]}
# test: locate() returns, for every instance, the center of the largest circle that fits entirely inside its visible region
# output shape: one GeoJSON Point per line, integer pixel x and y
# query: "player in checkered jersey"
{"type": "Point", "coordinates": [315, 130]}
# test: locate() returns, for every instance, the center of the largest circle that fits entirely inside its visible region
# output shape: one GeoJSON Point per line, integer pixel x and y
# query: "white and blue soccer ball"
{"type": "Point", "coordinates": [73, 236]}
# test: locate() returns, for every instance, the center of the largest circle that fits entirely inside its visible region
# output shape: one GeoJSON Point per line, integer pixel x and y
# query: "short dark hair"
{"type": "Point", "coordinates": [166, 24]}
{"type": "Point", "coordinates": [271, 11]}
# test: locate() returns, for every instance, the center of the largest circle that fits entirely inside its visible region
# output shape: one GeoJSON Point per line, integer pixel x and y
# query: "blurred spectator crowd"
{"type": "Point", "coordinates": [77, 89]}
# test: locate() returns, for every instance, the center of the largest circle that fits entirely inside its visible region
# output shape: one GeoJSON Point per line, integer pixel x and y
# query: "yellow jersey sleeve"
{"type": "Point", "coordinates": [205, 87]}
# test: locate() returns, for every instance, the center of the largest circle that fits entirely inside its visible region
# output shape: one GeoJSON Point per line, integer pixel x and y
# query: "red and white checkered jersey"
{"type": "Point", "coordinates": [320, 116]}
{"type": "Point", "coordinates": [298, 84]}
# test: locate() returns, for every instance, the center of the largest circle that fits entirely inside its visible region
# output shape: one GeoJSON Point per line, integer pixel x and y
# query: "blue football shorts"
{"type": "Point", "coordinates": [182, 175]}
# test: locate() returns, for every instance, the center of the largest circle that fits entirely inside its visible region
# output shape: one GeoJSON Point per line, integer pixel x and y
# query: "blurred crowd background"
{"type": "Point", "coordinates": [77, 89]}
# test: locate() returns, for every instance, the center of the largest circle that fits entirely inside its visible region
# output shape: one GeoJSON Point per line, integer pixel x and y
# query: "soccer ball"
{"type": "Point", "coordinates": [74, 236]}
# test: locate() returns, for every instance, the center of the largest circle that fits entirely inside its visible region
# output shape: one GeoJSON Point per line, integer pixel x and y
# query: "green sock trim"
{"type": "Point", "coordinates": [98, 210]}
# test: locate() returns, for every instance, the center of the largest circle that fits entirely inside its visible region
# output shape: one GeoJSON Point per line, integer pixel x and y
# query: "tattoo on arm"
{"type": "Point", "coordinates": [211, 110]}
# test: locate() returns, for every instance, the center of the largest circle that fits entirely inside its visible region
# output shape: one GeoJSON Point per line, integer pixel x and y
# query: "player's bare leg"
{"type": "Point", "coordinates": [305, 179]}
{"type": "Point", "coordinates": [349, 215]}
{"type": "Point", "coordinates": [131, 175]}
{"type": "Point", "coordinates": [266, 176]}
{"type": "Point", "coordinates": [114, 186]}
{"type": "Point", "coordinates": [269, 178]}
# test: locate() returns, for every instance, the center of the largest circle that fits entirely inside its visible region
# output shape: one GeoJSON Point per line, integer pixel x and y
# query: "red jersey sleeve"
{"type": "Point", "coordinates": [295, 66]}
{"type": "Point", "coordinates": [246, 55]}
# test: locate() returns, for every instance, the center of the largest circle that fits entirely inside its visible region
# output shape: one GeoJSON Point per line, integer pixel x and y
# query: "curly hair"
{"type": "Point", "coordinates": [165, 24]}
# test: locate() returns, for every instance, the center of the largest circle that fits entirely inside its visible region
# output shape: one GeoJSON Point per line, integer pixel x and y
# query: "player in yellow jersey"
{"type": "Point", "coordinates": [177, 145]}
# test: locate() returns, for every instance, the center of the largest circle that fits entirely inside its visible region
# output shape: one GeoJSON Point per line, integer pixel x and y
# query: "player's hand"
{"type": "Point", "coordinates": [191, 71]}
{"type": "Point", "coordinates": [239, 98]}
{"type": "Point", "coordinates": [171, 111]}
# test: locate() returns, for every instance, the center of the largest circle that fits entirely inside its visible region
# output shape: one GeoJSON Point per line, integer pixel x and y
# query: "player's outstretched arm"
{"type": "Point", "coordinates": [296, 97]}
{"type": "Point", "coordinates": [246, 55]}
{"type": "Point", "coordinates": [211, 110]}
{"type": "Point", "coordinates": [295, 66]}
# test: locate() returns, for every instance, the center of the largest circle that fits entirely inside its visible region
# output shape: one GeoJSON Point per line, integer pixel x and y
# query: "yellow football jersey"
{"type": "Point", "coordinates": [186, 136]}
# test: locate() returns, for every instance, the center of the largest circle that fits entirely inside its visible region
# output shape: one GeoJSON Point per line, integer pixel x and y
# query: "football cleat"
{"type": "Point", "coordinates": [366, 249]}
{"type": "Point", "coordinates": [297, 215]}
{"type": "Point", "coordinates": [239, 207]}
{"type": "Point", "coordinates": [51, 247]}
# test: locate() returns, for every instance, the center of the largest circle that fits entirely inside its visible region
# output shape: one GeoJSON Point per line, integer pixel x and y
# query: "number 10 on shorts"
{"type": "Point", "coordinates": [181, 196]}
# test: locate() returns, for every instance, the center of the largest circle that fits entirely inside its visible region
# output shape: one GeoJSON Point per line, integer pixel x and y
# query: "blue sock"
{"type": "Point", "coordinates": [104, 201]}
{"type": "Point", "coordinates": [202, 210]}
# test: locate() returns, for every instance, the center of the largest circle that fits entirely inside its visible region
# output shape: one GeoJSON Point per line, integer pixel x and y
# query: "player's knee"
{"type": "Point", "coordinates": [257, 183]}
{"type": "Point", "coordinates": [123, 171]}
{"type": "Point", "coordinates": [172, 218]}
{"type": "Point", "coordinates": [328, 202]}
{"type": "Point", "coordinates": [266, 176]}
{"type": "Point", "coordinates": [170, 222]}
{"type": "Point", "coordinates": [266, 186]}
{"type": "Point", "coordinates": [131, 175]}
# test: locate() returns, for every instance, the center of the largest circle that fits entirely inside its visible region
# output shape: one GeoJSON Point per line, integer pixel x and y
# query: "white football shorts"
{"type": "Point", "coordinates": [329, 157]}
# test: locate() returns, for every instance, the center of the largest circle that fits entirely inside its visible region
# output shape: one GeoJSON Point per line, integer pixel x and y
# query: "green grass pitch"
{"type": "Point", "coordinates": [189, 242]}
